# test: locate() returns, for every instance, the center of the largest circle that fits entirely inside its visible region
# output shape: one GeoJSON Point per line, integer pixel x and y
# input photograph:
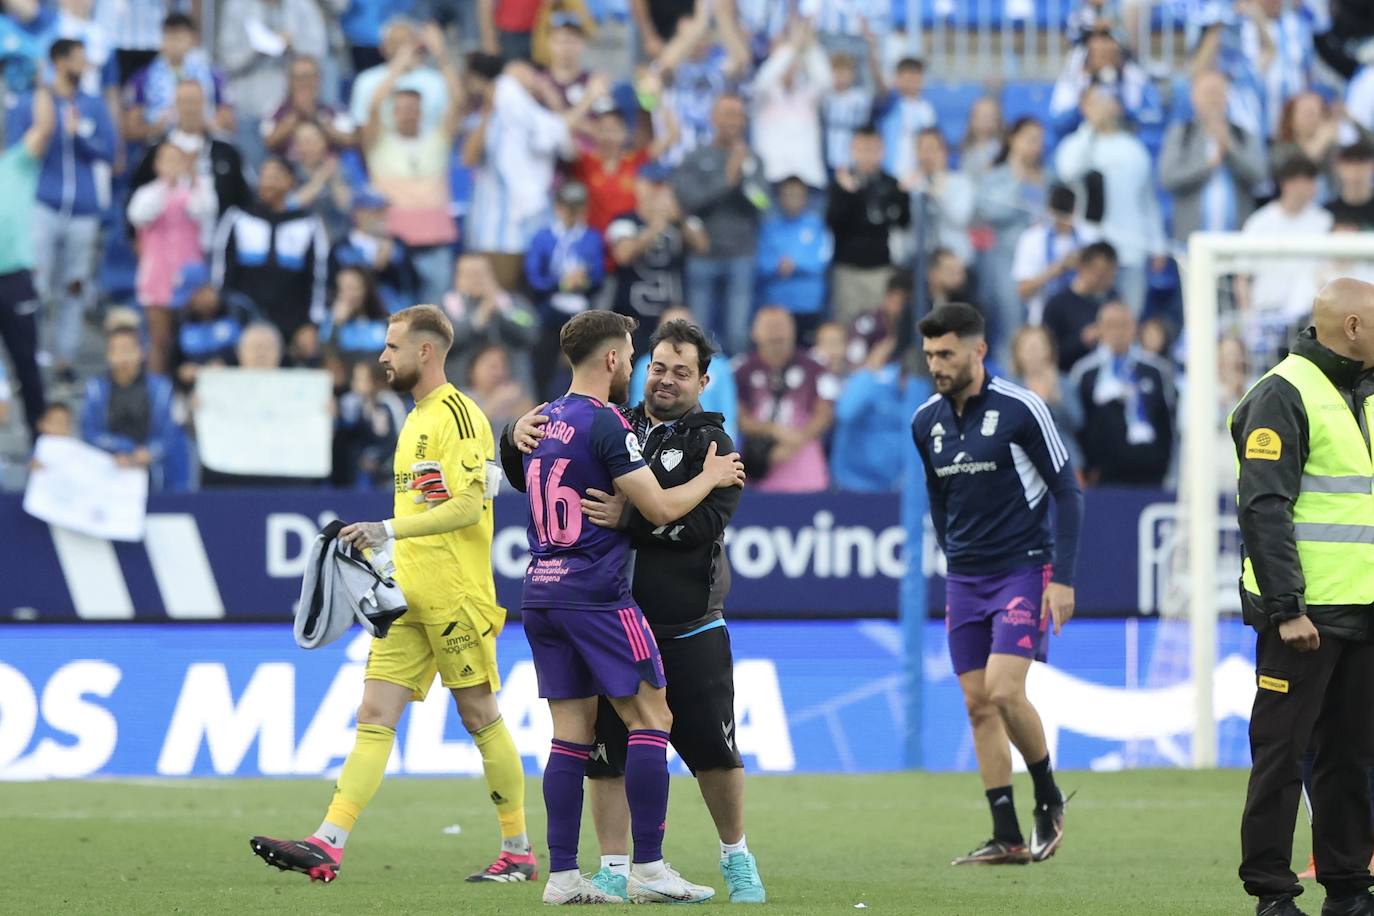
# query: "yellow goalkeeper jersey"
{"type": "Point", "coordinates": [444, 575]}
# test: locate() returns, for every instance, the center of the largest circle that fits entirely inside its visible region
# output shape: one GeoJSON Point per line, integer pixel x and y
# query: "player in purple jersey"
{"type": "Point", "coordinates": [587, 635]}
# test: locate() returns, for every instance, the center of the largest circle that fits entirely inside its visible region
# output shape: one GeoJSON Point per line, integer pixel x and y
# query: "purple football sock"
{"type": "Point", "coordinates": [646, 788]}
{"type": "Point", "coordinates": [563, 801]}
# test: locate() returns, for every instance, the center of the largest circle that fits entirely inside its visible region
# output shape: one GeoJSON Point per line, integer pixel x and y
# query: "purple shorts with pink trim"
{"type": "Point", "coordinates": [996, 614]}
{"type": "Point", "coordinates": [581, 654]}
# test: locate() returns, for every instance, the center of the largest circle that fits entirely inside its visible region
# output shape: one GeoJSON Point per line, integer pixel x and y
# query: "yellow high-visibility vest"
{"type": "Point", "coordinates": [1333, 517]}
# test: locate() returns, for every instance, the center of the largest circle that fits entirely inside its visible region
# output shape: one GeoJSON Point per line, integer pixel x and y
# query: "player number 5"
{"type": "Point", "coordinates": [556, 509]}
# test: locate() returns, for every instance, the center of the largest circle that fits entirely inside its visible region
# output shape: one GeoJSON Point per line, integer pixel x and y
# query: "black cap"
{"type": "Point", "coordinates": [1361, 150]}
{"type": "Point", "coordinates": [1295, 165]}
{"type": "Point", "coordinates": [1062, 199]}
{"type": "Point", "coordinates": [487, 66]}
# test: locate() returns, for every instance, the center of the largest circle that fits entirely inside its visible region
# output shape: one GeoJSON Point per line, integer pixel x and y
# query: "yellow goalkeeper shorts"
{"type": "Point", "coordinates": [461, 650]}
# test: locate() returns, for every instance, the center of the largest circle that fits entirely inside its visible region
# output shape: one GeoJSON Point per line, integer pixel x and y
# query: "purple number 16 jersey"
{"type": "Point", "coordinates": [575, 565]}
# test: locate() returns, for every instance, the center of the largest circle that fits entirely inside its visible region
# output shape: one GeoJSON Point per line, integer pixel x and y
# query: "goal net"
{"type": "Point", "coordinates": [1245, 296]}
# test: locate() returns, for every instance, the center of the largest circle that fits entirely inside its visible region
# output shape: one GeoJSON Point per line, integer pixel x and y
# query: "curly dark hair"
{"type": "Point", "coordinates": [680, 332]}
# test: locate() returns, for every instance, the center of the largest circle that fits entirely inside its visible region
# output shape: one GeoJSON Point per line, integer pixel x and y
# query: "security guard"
{"type": "Point", "coordinates": [1306, 511]}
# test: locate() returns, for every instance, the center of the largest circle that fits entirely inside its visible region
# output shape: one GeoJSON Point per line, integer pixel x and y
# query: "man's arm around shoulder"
{"type": "Point", "coordinates": [706, 523]}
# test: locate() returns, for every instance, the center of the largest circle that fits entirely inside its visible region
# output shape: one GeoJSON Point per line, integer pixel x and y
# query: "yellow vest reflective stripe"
{"type": "Point", "coordinates": [1333, 517]}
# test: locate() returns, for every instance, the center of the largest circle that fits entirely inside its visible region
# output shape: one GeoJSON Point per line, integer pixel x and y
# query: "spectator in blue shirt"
{"type": "Point", "coordinates": [795, 249]}
{"type": "Point", "coordinates": [128, 411]}
{"type": "Point", "coordinates": [873, 411]}
{"type": "Point", "coordinates": [66, 220]}
{"type": "Point", "coordinates": [209, 323]}
{"type": "Point", "coordinates": [566, 260]}
{"type": "Point", "coordinates": [564, 264]}
{"type": "Point", "coordinates": [1102, 61]}
{"type": "Point", "coordinates": [356, 323]}
{"type": "Point", "coordinates": [370, 246]}
{"type": "Point", "coordinates": [26, 29]}
{"type": "Point", "coordinates": [1217, 41]}
{"type": "Point", "coordinates": [368, 423]}
{"type": "Point", "coordinates": [901, 115]}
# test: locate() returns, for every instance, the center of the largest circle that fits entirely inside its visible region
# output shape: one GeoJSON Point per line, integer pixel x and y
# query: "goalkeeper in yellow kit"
{"type": "Point", "coordinates": [443, 530]}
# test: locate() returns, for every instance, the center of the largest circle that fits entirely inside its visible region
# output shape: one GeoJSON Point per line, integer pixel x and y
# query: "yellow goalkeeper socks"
{"type": "Point", "coordinates": [361, 776]}
{"type": "Point", "coordinates": [506, 782]}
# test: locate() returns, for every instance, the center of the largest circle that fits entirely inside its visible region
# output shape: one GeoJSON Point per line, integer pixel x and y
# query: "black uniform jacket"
{"type": "Point", "coordinates": [1270, 477]}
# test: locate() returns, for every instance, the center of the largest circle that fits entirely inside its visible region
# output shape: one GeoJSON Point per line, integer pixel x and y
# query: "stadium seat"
{"type": "Point", "coordinates": [952, 101]}
{"type": "Point", "coordinates": [1021, 98]}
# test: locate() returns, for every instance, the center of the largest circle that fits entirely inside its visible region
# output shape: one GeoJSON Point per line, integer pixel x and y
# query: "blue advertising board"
{"type": "Point", "coordinates": [239, 555]}
{"type": "Point", "coordinates": [181, 700]}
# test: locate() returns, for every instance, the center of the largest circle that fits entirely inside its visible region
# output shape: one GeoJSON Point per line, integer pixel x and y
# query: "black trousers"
{"type": "Point", "coordinates": [19, 331]}
{"type": "Point", "coordinates": [1324, 698]}
{"type": "Point", "coordinates": [701, 697]}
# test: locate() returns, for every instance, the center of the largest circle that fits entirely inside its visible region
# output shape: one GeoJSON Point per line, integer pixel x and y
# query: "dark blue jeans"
{"type": "Point", "coordinates": [19, 331]}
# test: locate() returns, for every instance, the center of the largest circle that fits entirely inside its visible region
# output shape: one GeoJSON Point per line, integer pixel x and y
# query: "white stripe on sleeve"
{"type": "Point", "coordinates": [1055, 445]}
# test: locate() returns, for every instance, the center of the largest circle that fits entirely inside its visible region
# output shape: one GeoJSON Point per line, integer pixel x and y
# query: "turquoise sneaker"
{"type": "Point", "coordinates": [742, 878]}
{"type": "Point", "coordinates": [611, 884]}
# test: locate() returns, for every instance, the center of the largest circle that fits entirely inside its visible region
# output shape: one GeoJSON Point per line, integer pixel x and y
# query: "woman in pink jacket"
{"type": "Point", "coordinates": [172, 214]}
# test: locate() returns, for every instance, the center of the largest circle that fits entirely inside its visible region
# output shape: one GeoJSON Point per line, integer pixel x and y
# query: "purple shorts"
{"type": "Point", "coordinates": [580, 654]}
{"type": "Point", "coordinates": [1001, 614]}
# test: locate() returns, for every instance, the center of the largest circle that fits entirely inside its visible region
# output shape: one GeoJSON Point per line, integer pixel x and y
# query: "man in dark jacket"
{"type": "Point", "coordinates": [275, 254]}
{"type": "Point", "coordinates": [216, 158]}
{"type": "Point", "coordinates": [866, 204]}
{"type": "Point", "coordinates": [1127, 398]}
{"type": "Point", "coordinates": [1304, 506]}
{"type": "Point", "coordinates": [681, 578]}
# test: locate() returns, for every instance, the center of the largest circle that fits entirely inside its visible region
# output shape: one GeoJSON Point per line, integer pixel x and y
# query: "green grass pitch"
{"type": "Point", "coordinates": [1155, 842]}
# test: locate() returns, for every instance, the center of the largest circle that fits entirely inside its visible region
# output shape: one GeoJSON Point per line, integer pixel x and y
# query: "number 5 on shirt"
{"type": "Point", "coordinates": [557, 510]}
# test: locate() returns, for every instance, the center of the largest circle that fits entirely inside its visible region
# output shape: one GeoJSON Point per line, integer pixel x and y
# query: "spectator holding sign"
{"type": "Point", "coordinates": [128, 410]}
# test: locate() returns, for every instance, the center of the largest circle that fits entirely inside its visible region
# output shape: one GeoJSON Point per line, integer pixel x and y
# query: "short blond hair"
{"type": "Point", "coordinates": [429, 319]}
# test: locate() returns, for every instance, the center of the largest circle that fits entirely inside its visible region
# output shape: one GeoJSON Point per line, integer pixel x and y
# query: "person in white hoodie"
{"type": "Point", "coordinates": [788, 92]}
{"type": "Point", "coordinates": [1131, 218]}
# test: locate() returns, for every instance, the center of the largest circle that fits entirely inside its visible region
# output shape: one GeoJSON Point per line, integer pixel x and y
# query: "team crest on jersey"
{"type": "Point", "coordinates": [632, 446]}
{"type": "Point", "coordinates": [990, 422]}
{"type": "Point", "coordinates": [670, 458]}
{"type": "Point", "coordinates": [421, 446]}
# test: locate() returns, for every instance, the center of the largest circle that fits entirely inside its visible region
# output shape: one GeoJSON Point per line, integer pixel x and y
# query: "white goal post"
{"type": "Point", "coordinates": [1212, 255]}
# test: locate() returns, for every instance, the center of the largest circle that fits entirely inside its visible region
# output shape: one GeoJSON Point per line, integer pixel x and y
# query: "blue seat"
{"type": "Point", "coordinates": [118, 268]}
{"type": "Point", "coordinates": [952, 102]}
{"type": "Point", "coordinates": [1026, 98]}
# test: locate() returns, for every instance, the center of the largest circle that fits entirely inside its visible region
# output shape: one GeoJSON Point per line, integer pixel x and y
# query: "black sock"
{"type": "Point", "coordinates": [1004, 824]}
{"type": "Point", "coordinates": [1046, 792]}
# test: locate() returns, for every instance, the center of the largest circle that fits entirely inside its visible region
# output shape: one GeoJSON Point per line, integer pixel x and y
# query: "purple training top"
{"type": "Point", "coordinates": [575, 565]}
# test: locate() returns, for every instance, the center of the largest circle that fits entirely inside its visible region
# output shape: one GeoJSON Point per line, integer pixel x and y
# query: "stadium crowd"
{"type": "Point", "coordinates": [265, 196]}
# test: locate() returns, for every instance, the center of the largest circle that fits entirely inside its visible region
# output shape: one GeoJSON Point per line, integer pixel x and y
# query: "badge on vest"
{"type": "Point", "coordinates": [1276, 684]}
{"type": "Point", "coordinates": [1263, 444]}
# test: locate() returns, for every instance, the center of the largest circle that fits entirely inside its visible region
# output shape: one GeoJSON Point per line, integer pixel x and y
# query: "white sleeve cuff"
{"type": "Point", "coordinates": [390, 531]}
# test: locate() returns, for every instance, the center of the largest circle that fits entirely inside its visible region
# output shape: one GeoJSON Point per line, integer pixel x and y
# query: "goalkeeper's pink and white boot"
{"type": "Point", "coordinates": [311, 857]}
